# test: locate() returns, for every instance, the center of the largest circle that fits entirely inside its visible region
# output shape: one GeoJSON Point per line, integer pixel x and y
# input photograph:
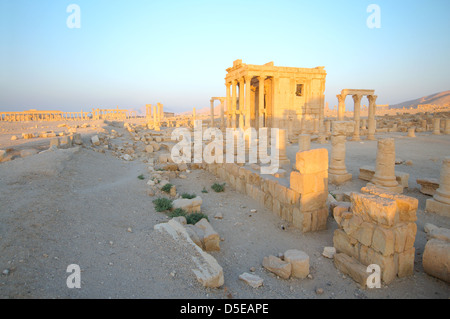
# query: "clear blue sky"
{"type": "Point", "coordinates": [129, 53]}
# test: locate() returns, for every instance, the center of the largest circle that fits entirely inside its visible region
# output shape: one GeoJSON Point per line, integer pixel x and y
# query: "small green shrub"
{"type": "Point", "coordinates": [162, 204]}
{"type": "Point", "coordinates": [141, 177]}
{"type": "Point", "coordinates": [204, 191]}
{"type": "Point", "coordinates": [177, 212]}
{"type": "Point", "coordinates": [166, 188]}
{"type": "Point", "coordinates": [188, 196]}
{"type": "Point", "coordinates": [194, 218]}
{"type": "Point", "coordinates": [218, 187]}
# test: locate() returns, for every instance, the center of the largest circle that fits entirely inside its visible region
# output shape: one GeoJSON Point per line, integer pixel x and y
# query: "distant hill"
{"type": "Point", "coordinates": [441, 98]}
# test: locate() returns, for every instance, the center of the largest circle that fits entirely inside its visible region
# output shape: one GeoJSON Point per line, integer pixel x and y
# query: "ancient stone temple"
{"type": "Point", "coordinates": [276, 97]}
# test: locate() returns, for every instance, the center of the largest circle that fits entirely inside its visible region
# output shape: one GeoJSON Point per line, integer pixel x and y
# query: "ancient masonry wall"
{"type": "Point", "coordinates": [308, 212]}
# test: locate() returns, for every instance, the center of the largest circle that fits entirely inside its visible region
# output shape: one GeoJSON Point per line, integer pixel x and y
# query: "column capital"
{"type": "Point", "coordinates": [248, 78]}
{"type": "Point", "coordinates": [357, 98]}
{"type": "Point", "coordinates": [341, 98]}
{"type": "Point", "coordinates": [372, 98]}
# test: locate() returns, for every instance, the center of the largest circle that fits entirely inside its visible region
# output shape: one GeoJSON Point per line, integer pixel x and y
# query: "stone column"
{"type": "Point", "coordinates": [411, 132]}
{"type": "Point", "coordinates": [447, 127]}
{"type": "Point", "coordinates": [194, 116]}
{"type": "Point", "coordinates": [364, 124]}
{"type": "Point", "coordinates": [372, 123]}
{"type": "Point", "coordinates": [222, 114]}
{"type": "Point", "coordinates": [241, 102]}
{"type": "Point", "coordinates": [337, 173]}
{"type": "Point", "coordinates": [440, 203]}
{"type": "Point", "coordinates": [424, 125]}
{"type": "Point", "coordinates": [385, 166]}
{"type": "Point", "coordinates": [341, 107]}
{"type": "Point", "coordinates": [356, 116]}
{"type": "Point", "coordinates": [304, 142]}
{"type": "Point", "coordinates": [328, 127]}
{"type": "Point", "coordinates": [212, 112]}
{"type": "Point", "coordinates": [229, 109]}
{"type": "Point", "coordinates": [261, 109]}
{"type": "Point", "coordinates": [233, 103]}
{"type": "Point", "coordinates": [247, 108]}
{"type": "Point", "coordinates": [436, 126]}
{"type": "Point", "coordinates": [281, 143]}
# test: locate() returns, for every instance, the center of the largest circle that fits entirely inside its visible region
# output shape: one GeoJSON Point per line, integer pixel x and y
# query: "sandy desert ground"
{"type": "Point", "coordinates": [80, 206]}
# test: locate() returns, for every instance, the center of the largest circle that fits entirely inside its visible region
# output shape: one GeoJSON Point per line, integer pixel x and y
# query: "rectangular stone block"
{"type": "Point", "coordinates": [345, 244]}
{"type": "Point", "coordinates": [312, 161]}
{"type": "Point", "coordinates": [313, 201]}
{"type": "Point", "coordinates": [352, 267]}
{"type": "Point", "coordinates": [383, 241]}
{"type": "Point", "coordinates": [407, 206]}
{"type": "Point", "coordinates": [435, 207]}
{"type": "Point", "coordinates": [428, 186]}
{"type": "Point", "coordinates": [309, 183]}
{"type": "Point", "coordinates": [371, 208]}
{"type": "Point", "coordinates": [388, 265]}
{"type": "Point", "coordinates": [364, 233]}
{"type": "Point", "coordinates": [406, 263]}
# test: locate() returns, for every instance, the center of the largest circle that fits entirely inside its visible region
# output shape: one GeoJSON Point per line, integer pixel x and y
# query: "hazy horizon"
{"type": "Point", "coordinates": [129, 54]}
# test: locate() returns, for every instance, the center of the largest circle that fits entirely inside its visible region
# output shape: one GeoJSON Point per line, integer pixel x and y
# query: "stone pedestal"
{"type": "Point", "coordinates": [281, 142]}
{"type": "Point", "coordinates": [436, 126]}
{"type": "Point", "coordinates": [337, 173]}
{"type": "Point", "coordinates": [447, 127]}
{"type": "Point", "coordinates": [304, 142]}
{"type": "Point", "coordinates": [385, 167]}
{"type": "Point", "coordinates": [440, 203]}
{"type": "Point", "coordinates": [411, 132]}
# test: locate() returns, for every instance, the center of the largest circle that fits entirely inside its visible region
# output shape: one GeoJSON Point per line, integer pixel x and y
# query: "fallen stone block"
{"type": "Point", "coordinates": [189, 205]}
{"type": "Point", "coordinates": [252, 280]}
{"type": "Point", "coordinates": [366, 173]}
{"type": "Point", "coordinates": [353, 268]}
{"type": "Point", "coordinates": [279, 267]}
{"type": "Point", "coordinates": [208, 271]}
{"type": "Point", "coordinates": [211, 238]}
{"type": "Point", "coordinates": [436, 259]}
{"type": "Point", "coordinates": [428, 186]}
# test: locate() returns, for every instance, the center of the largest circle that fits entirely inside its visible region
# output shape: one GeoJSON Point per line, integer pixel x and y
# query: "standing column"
{"type": "Point", "coordinates": [440, 203]}
{"type": "Point", "coordinates": [194, 116]}
{"type": "Point", "coordinates": [304, 142]}
{"type": "Point", "coordinates": [337, 172]}
{"type": "Point", "coordinates": [212, 112]}
{"type": "Point", "coordinates": [411, 132]}
{"type": "Point", "coordinates": [247, 107]}
{"type": "Point", "coordinates": [341, 107]}
{"type": "Point", "coordinates": [229, 109]}
{"type": "Point", "coordinates": [436, 126]}
{"type": "Point", "coordinates": [261, 109]}
{"type": "Point", "coordinates": [281, 144]}
{"type": "Point", "coordinates": [356, 115]}
{"type": "Point", "coordinates": [372, 123]}
{"type": "Point", "coordinates": [385, 166]}
{"type": "Point", "coordinates": [222, 114]}
{"type": "Point", "coordinates": [233, 103]}
{"type": "Point", "coordinates": [447, 127]}
{"type": "Point", "coordinates": [241, 103]}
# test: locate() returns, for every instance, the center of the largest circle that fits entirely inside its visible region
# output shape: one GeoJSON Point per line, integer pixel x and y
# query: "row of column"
{"type": "Point", "coordinates": [244, 100]}
{"type": "Point", "coordinates": [356, 114]}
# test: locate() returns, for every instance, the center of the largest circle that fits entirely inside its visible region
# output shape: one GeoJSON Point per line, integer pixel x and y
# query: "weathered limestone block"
{"type": "Point", "coordinates": [76, 139]}
{"type": "Point", "coordinates": [440, 203]}
{"type": "Point", "coordinates": [407, 206]}
{"type": "Point", "coordinates": [371, 208]}
{"type": "Point", "coordinates": [436, 259]}
{"type": "Point", "coordinates": [65, 142]}
{"type": "Point", "coordinates": [54, 142]}
{"type": "Point", "coordinates": [352, 267]}
{"type": "Point", "coordinates": [189, 205]}
{"type": "Point", "coordinates": [252, 280]}
{"type": "Point", "coordinates": [411, 132]}
{"type": "Point", "coordinates": [279, 267]}
{"type": "Point", "coordinates": [383, 241]}
{"type": "Point", "coordinates": [309, 183]}
{"type": "Point", "coordinates": [211, 238]}
{"type": "Point", "coordinates": [406, 263]}
{"type": "Point", "coordinates": [27, 152]}
{"type": "Point", "coordinates": [312, 161]}
{"type": "Point", "coordinates": [95, 140]}
{"type": "Point", "coordinates": [345, 244]}
{"type": "Point", "coordinates": [436, 126]}
{"type": "Point", "coordinates": [208, 272]}
{"type": "Point", "coordinates": [428, 186]}
{"type": "Point", "coordinates": [299, 261]}
{"type": "Point", "coordinates": [304, 142]}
